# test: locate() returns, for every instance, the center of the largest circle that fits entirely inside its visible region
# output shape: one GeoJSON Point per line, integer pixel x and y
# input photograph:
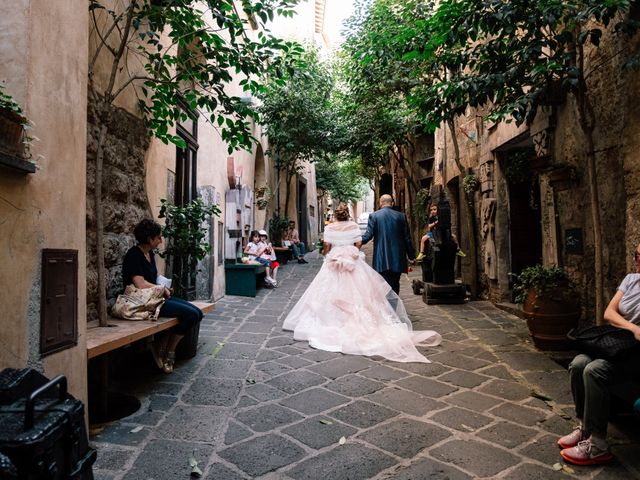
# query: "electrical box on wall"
{"type": "Point", "coordinates": [59, 309]}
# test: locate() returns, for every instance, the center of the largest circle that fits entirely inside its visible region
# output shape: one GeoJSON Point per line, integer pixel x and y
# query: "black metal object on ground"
{"type": "Point", "coordinates": [42, 431]}
{"type": "Point", "coordinates": [438, 267]}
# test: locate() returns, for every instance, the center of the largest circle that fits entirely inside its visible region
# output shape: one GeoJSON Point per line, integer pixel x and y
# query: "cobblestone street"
{"type": "Point", "coordinates": [254, 403]}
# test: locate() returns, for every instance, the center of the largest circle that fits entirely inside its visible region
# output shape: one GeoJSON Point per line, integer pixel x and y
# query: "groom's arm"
{"type": "Point", "coordinates": [408, 244]}
{"type": "Point", "coordinates": [368, 235]}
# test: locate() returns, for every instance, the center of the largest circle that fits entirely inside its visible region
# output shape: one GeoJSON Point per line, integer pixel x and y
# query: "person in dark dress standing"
{"type": "Point", "coordinates": [392, 246]}
{"type": "Point", "coordinates": [139, 269]}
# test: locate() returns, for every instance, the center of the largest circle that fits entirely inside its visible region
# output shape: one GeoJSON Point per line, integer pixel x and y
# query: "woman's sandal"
{"type": "Point", "coordinates": [169, 361]}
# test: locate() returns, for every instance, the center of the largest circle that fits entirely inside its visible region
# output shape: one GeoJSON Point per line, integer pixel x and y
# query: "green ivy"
{"type": "Point", "coordinates": [8, 103]}
{"type": "Point", "coordinates": [470, 183]}
{"type": "Point", "coordinates": [423, 201]}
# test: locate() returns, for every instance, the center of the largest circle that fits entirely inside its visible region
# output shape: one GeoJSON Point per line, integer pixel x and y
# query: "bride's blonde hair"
{"type": "Point", "coordinates": [342, 212]}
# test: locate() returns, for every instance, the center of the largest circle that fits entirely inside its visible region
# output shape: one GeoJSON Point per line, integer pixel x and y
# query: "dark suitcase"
{"type": "Point", "coordinates": [42, 433]}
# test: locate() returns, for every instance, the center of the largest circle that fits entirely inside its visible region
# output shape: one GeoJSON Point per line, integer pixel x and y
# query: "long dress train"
{"type": "Point", "coordinates": [350, 308]}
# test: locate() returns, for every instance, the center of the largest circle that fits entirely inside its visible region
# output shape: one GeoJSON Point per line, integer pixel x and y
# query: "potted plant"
{"type": "Point", "coordinates": [15, 142]}
{"type": "Point", "coordinates": [277, 226]}
{"type": "Point", "coordinates": [263, 195]}
{"type": "Point", "coordinates": [12, 124]}
{"type": "Point", "coordinates": [186, 244]}
{"type": "Point", "coordinates": [549, 303]}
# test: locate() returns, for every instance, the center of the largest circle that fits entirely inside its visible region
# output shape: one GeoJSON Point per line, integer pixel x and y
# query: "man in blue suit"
{"type": "Point", "coordinates": [392, 244]}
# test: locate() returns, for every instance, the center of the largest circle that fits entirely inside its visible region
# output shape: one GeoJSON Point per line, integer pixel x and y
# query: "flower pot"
{"type": "Point", "coordinates": [550, 318]}
{"type": "Point", "coordinates": [11, 132]}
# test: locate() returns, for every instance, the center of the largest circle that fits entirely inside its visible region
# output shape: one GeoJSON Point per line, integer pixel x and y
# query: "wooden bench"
{"type": "Point", "coordinates": [120, 333]}
{"type": "Point", "coordinates": [242, 279]}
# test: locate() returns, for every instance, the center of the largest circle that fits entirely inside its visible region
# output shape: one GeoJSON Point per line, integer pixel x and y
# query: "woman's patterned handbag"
{"type": "Point", "coordinates": [139, 303]}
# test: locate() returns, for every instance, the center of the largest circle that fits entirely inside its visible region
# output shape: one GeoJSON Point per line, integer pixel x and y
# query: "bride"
{"type": "Point", "coordinates": [350, 308]}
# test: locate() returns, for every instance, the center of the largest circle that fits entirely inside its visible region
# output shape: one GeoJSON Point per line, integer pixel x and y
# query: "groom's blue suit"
{"type": "Point", "coordinates": [392, 244]}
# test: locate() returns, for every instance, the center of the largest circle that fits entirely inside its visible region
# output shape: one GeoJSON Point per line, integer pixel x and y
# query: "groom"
{"type": "Point", "coordinates": [392, 242]}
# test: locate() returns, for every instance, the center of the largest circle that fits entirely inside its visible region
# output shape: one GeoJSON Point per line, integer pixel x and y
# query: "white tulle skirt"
{"type": "Point", "coordinates": [350, 308]}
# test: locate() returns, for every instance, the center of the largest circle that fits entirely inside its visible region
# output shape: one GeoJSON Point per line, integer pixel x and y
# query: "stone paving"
{"type": "Point", "coordinates": [254, 403]}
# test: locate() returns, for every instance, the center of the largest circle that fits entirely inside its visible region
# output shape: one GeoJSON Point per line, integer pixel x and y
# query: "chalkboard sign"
{"type": "Point", "coordinates": [573, 244]}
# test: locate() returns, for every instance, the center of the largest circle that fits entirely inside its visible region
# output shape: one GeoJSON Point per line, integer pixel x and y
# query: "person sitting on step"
{"type": "Point", "coordinates": [296, 245]}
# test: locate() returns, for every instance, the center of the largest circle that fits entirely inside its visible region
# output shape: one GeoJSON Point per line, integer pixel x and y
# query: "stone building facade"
{"type": "Point", "coordinates": [532, 204]}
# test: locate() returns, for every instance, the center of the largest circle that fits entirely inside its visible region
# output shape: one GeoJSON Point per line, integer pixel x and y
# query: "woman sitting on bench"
{"type": "Point", "coordinates": [139, 269]}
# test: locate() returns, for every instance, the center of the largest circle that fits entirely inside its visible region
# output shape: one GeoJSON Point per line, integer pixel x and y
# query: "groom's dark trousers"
{"type": "Point", "coordinates": [393, 279]}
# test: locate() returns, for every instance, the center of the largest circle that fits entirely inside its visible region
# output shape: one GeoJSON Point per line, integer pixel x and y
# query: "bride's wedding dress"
{"type": "Point", "coordinates": [350, 308]}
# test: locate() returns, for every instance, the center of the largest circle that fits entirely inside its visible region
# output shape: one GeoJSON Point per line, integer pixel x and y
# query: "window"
{"type": "Point", "coordinates": [186, 160]}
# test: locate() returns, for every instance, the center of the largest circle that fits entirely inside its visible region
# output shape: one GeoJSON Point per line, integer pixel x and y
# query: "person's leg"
{"type": "Point", "coordinates": [597, 377]}
{"type": "Point", "coordinates": [188, 315]}
{"type": "Point", "coordinates": [393, 279]}
{"type": "Point", "coordinates": [576, 370]}
{"type": "Point", "coordinates": [303, 249]}
{"type": "Point", "coordinates": [296, 250]}
{"type": "Point", "coordinates": [421, 252]}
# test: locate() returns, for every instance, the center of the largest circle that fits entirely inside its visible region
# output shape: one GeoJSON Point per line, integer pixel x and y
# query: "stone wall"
{"type": "Point", "coordinates": [565, 200]}
{"type": "Point", "coordinates": [125, 200]}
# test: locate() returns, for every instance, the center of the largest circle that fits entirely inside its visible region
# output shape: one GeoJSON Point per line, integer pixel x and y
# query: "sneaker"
{"type": "Point", "coordinates": [573, 438]}
{"type": "Point", "coordinates": [420, 257]}
{"type": "Point", "coordinates": [158, 354]}
{"type": "Point", "coordinates": [586, 453]}
{"type": "Point", "coordinates": [460, 253]}
{"type": "Point", "coordinates": [169, 362]}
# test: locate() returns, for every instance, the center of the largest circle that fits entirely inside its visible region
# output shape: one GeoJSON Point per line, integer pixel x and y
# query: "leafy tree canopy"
{"type": "Point", "coordinates": [297, 111]}
{"type": "Point", "coordinates": [190, 55]}
{"type": "Point", "coordinates": [341, 178]}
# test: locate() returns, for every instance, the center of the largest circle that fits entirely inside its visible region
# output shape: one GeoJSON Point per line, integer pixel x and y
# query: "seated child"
{"type": "Point", "coordinates": [432, 222]}
{"type": "Point", "coordinates": [269, 255]}
{"type": "Point", "coordinates": [254, 250]}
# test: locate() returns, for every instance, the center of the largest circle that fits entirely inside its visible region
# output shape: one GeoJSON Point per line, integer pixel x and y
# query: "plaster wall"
{"type": "Point", "coordinates": [43, 51]}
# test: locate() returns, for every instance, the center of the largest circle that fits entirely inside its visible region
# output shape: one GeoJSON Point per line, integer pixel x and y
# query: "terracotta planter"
{"type": "Point", "coordinates": [550, 318]}
{"type": "Point", "coordinates": [11, 132]}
